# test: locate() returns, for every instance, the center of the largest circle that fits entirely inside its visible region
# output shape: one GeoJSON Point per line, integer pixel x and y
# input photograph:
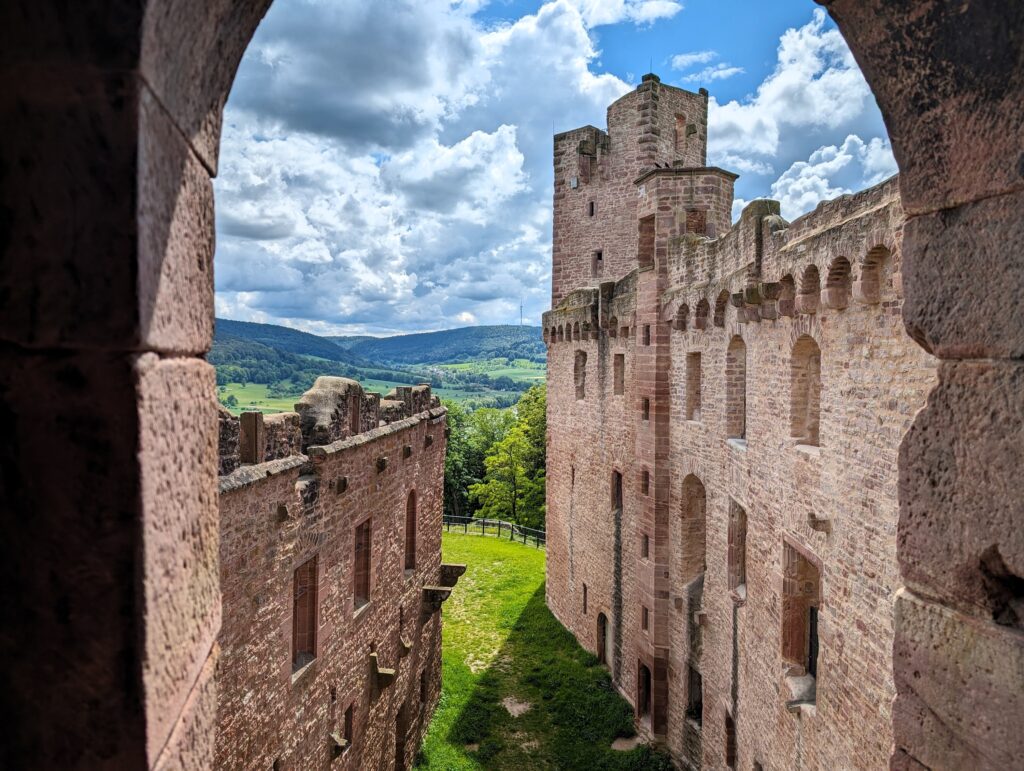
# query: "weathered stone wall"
{"type": "Point", "coordinates": [833, 276]}
{"type": "Point", "coordinates": [274, 517]}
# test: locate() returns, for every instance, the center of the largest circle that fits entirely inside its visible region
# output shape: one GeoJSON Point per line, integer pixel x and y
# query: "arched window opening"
{"type": "Point", "coordinates": [805, 391]}
{"type": "Point", "coordinates": [720, 305]}
{"type": "Point", "coordinates": [580, 374]}
{"type": "Point", "coordinates": [643, 691]}
{"type": "Point", "coordinates": [604, 640]}
{"type": "Point", "coordinates": [694, 529]}
{"type": "Point", "coordinates": [561, 334]}
{"type": "Point", "coordinates": [837, 284]}
{"type": "Point", "coordinates": [613, 327]}
{"type": "Point", "coordinates": [868, 289]}
{"type": "Point", "coordinates": [787, 296]}
{"type": "Point", "coordinates": [736, 389]}
{"type": "Point", "coordinates": [682, 316]}
{"type": "Point", "coordinates": [801, 598]}
{"type": "Point", "coordinates": [700, 319]}
{"type": "Point", "coordinates": [410, 531]}
{"type": "Point", "coordinates": [576, 331]}
{"type": "Point", "coordinates": [810, 289]}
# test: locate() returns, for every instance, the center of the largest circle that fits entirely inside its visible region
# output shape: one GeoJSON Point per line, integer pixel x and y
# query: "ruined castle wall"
{"type": "Point", "coordinates": [834, 504]}
{"type": "Point", "coordinates": [274, 517]}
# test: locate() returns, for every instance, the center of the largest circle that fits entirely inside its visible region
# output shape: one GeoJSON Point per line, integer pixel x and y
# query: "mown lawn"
{"type": "Point", "coordinates": [501, 641]}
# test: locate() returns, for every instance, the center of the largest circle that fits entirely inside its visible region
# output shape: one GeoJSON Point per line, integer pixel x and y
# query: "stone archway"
{"type": "Point", "coordinates": [111, 117]}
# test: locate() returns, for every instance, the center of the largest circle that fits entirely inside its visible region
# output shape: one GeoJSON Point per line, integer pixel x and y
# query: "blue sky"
{"type": "Point", "coordinates": [386, 165]}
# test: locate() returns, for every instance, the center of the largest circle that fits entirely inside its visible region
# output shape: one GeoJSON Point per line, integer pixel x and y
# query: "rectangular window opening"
{"type": "Point", "coordinates": [693, 386]}
{"type": "Point", "coordinates": [737, 550]}
{"type": "Point", "coordinates": [647, 409]}
{"type": "Point", "coordinates": [363, 544]}
{"type": "Point", "coordinates": [645, 546]}
{"type": "Point", "coordinates": [584, 599]}
{"type": "Point", "coordinates": [619, 374]}
{"type": "Point", "coordinates": [304, 591]}
{"type": "Point", "coordinates": [647, 334]}
{"type": "Point", "coordinates": [695, 697]}
{"type": "Point", "coordinates": [645, 621]}
{"type": "Point", "coordinates": [616, 490]}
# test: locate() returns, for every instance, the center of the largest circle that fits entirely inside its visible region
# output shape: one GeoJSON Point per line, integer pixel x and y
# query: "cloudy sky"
{"type": "Point", "coordinates": [386, 165]}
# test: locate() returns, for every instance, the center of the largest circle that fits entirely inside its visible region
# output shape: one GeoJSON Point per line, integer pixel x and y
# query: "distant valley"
{"type": "Point", "coordinates": [266, 366]}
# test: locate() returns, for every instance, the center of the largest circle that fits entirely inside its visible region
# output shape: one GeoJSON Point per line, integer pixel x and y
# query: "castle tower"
{"type": "Point", "coordinates": [594, 223]}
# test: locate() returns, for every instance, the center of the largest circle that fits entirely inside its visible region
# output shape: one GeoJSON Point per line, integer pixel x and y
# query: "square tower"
{"type": "Point", "coordinates": [595, 199]}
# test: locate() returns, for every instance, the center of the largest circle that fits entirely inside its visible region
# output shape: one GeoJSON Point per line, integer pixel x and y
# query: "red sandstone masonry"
{"type": "Point", "coordinates": [833, 276]}
{"type": "Point", "coordinates": [277, 515]}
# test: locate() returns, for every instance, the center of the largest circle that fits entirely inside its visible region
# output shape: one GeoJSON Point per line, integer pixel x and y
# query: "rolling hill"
{"type": "Point", "coordinates": [282, 339]}
{"type": "Point", "coordinates": [451, 346]}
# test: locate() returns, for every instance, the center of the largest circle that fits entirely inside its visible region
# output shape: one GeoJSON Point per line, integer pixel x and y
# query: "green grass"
{"type": "Point", "coordinates": [500, 640]}
{"type": "Point", "coordinates": [253, 396]}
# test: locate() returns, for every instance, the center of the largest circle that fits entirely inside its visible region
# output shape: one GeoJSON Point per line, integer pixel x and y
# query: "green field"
{"type": "Point", "coordinates": [254, 396]}
{"type": "Point", "coordinates": [501, 642]}
{"type": "Point", "coordinates": [522, 370]}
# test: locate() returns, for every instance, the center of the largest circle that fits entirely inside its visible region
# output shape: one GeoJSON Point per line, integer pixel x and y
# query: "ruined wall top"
{"type": "Point", "coordinates": [335, 408]}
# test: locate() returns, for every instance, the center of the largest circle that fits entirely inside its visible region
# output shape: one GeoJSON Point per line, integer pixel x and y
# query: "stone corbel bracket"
{"type": "Point", "coordinates": [433, 597]}
{"type": "Point", "coordinates": [383, 675]}
{"type": "Point", "coordinates": [450, 574]}
{"type": "Point", "coordinates": [820, 524]}
{"type": "Point", "coordinates": [404, 647]}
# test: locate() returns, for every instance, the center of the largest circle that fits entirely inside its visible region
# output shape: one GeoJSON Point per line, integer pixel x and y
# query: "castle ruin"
{"type": "Point", "coordinates": [110, 484]}
{"type": "Point", "coordinates": [331, 580]}
{"type": "Point", "coordinates": [726, 404]}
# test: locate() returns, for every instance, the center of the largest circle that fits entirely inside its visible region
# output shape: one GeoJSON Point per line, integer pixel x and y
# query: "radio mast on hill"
{"type": "Point", "coordinates": [520, 312]}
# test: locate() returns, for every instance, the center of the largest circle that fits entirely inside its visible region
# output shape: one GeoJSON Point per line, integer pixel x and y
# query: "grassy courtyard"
{"type": "Point", "coordinates": [505, 653]}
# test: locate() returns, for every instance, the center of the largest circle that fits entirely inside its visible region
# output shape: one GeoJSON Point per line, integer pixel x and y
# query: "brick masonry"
{"type": "Point", "coordinates": [275, 516]}
{"type": "Point", "coordinates": [728, 435]}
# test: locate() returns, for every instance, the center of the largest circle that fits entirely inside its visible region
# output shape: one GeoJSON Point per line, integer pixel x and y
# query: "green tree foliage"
{"type": "Point", "coordinates": [457, 459]}
{"type": "Point", "coordinates": [512, 487]}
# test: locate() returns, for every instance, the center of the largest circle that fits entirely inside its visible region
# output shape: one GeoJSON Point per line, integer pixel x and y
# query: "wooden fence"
{"type": "Point", "coordinates": [496, 528]}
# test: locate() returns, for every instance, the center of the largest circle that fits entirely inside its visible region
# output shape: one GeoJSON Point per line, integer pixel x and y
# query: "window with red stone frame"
{"type": "Point", "coordinates": [410, 532]}
{"type": "Point", "coordinates": [737, 546]}
{"type": "Point", "coordinates": [361, 571]}
{"type": "Point", "coordinates": [304, 614]}
{"type": "Point", "coordinates": [801, 597]}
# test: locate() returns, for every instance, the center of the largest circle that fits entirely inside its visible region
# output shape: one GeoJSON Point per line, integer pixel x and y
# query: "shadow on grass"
{"type": "Point", "coordinates": [575, 714]}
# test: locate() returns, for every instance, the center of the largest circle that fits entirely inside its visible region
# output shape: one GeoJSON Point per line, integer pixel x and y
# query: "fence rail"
{"type": "Point", "coordinates": [496, 528]}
